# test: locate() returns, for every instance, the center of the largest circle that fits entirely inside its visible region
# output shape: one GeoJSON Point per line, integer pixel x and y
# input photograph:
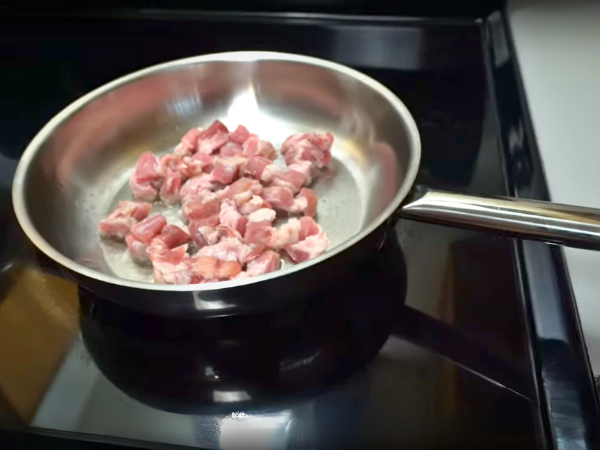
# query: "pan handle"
{"type": "Point", "coordinates": [572, 226]}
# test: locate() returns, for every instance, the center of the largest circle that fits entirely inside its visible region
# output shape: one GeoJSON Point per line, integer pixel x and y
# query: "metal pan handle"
{"type": "Point", "coordinates": [572, 226]}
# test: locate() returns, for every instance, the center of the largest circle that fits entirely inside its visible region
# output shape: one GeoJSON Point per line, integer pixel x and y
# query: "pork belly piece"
{"type": "Point", "coordinates": [118, 223]}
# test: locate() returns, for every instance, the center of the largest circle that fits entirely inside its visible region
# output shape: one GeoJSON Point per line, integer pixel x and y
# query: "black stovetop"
{"type": "Point", "coordinates": [437, 341]}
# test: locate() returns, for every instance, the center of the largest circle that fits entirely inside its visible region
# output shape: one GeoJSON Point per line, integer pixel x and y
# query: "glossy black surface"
{"type": "Point", "coordinates": [566, 387]}
{"type": "Point", "coordinates": [463, 365]}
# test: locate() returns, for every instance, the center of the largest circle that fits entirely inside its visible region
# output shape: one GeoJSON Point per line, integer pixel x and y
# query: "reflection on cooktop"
{"type": "Point", "coordinates": [246, 362]}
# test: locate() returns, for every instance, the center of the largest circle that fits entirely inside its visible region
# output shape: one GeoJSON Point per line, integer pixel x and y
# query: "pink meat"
{"type": "Point", "coordinates": [213, 138]}
{"type": "Point", "coordinates": [253, 146]}
{"type": "Point", "coordinates": [189, 142]}
{"type": "Point", "coordinates": [146, 179]}
{"type": "Point", "coordinates": [226, 169]}
{"type": "Point", "coordinates": [308, 248]}
{"type": "Point", "coordinates": [314, 147]}
{"type": "Point", "coordinates": [308, 227]}
{"type": "Point", "coordinates": [148, 228]}
{"type": "Point", "coordinates": [210, 268]}
{"type": "Point", "coordinates": [239, 135]}
{"type": "Point", "coordinates": [169, 192]}
{"type": "Point", "coordinates": [271, 172]}
{"type": "Point", "coordinates": [285, 235]}
{"type": "Point", "coordinates": [255, 203]}
{"type": "Point", "coordinates": [137, 249]}
{"type": "Point", "coordinates": [280, 197]}
{"type": "Point", "coordinates": [202, 208]}
{"type": "Point", "coordinates": [242, 190]}
{"type": "Point", "coordinates": [171, 162]}
{"type": "Point", "coordinates": [267, 262]}
{"type": "Point", "coordinates": [305, 202]}
{"type": "Point", "coordinates": [170, 237]}
{"type": "Point", "coordinates": [231, 249]}
{"type": "Point", "coordinates": [118, 223]}
{"type": "Point", "coordinates": [198, 186]}
{"type": "Point", "coordinates": [195, 165]}
{"type": "Point", "coordinates": [259, 233]}
{"type": "Point", "coordinates": [255, 166]}
{"type": "Point", "coordinates": [203, 235]}
{"type": "Point", "coordinates": [230, 217]}
{"type": "Point", "coordinates": [262, 215]}
{"type": "Point", "coordinates": [231, 149]}
{"type": "Point", "coordinates": [172, 266]}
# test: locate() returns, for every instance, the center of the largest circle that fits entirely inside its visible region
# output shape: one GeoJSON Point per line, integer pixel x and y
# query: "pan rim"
{"type": "Point", "coordinates": [18, 188]}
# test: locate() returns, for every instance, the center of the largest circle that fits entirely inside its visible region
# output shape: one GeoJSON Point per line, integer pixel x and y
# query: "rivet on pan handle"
{"type": "Point", "coordinates": [572, 226]}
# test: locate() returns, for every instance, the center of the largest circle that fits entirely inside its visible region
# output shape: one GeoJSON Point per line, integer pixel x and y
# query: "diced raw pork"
{"type": "Point", "coordinates": [146, 179]}
{"type": "Point", "coordinates": [203, 235]}
{"type": "Point", "coordinates": [255, 166]}
{"type": "Point", "coordinates": [242, 190]}
{"type": "Point", "coordinates": [230, 217]}
{"type": "Point", "coordinates": [169, 191]}
{"type": "Point", "coordinates": [202, 208]}
{"type": "Point", "coordinates": [271, 172]}
{"type": "Point", "coordinates": [254, 204]}
{"type": "Point", "coordinates": [280, 197]}
{"type": "Point", "coordinates": [170, 237]}
{"type": "Point", "coordinates": [210, 268]}
{"type": "Point", "coordinates": [254, 146]}
{"type": "Point", "coordinates": [312, 147]}
{"type": "Point", "coordinates": [226, 169]}
{"type": "Point", "coordinates": [118, 223]}
{"type": "Point", "coordinates": [198, 186]}
{"type": "Point", "coordinates": [308, 248]}
{"type": "Point", "coordinates": [305, 202]}
{"type": "Point", "coordinates": [148, 228]}
{"type": "Point", "coordinates": [137, 249]}
{"type": "Point", "coordinates": [287, 234]}
{"type": "Point", "coordinates": [211, 139]}
{"type": "Point", "coordinates": [189, 142]}
{"type": "Point", "coordinates": [239, 135]}
{"type": "Point", "coordinates": [267, 262]}
{"type": "Point", "coordinates": [231, 149]}
{"type": "Point", "coordinates": [171, 266]}
{"type": "Point", "coordinates": [231, 249]}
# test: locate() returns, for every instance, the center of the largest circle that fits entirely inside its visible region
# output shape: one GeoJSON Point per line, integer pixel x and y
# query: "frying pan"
{"type": "Point", "coordinates": [76, 169]}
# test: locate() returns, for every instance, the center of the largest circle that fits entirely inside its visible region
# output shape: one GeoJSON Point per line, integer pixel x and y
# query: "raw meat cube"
{"type": "Point", "coordinates": [231, 149]}
{"type": "Point", "coordinates": [198, 186]}
{"type": "Point", "coordinates": [169, 192]}
{"type": "Point", "coordinates": [171, 266]}
{"type": "Point", "coordinates": [262, 215]}
{"type": "Point", "coordinates": [210, 268]}
{"type": "Point", "coordinates": [309, 248]}
{"type": "Point", "coordinates": [189, 142]}
{"type": "Point", "coordinates": [271, 172]}
{"type": "Point", "coordinates": [305, 202]}
{"type": "Point", "coordinates": [230, 217]}
{"type": "Point", "coordinates": [313, 147]}
{"type": "Point", "coordinates": [254, 204]}
{"type": "Point", "coordinates": [148, 228]}
{"type": "Point", "coordinates": [137, 249]}
{"type": "Point", "coordinates": [280, 197]}
{"type": "Point", "coordinates": [118, 223]}
{"type": "Point", "coordinates": [203, 235]}
{"type": "Point", "coordinates": [287, 234]}
{"type": "Point", "coordinates": [146, 179]}
{"type": "Point", "coordinates": [254, 146]}
{"type": "Point", "coordinates": [267, 262]}
{"type": "Point", "coordinates": [170, 237]}
{"type": "Point", "coordinates": [231, 249]}
{"type": "Point", "coordinates": [226, 169]}
{"type": "Point", "coordinates": [213, 137]}
{"type": "Point", "coordinates": [242, 190]}
{"type": "Point", "coordinates": [239, 135]}
{"type": "Point", "coordinates": [255, 166]}
{"type": "Point", "coordinates": [201, 208]}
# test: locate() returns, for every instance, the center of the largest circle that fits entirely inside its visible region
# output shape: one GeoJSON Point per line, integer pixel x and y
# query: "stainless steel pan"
{"type": "Point", "coordinates": [75, 170]}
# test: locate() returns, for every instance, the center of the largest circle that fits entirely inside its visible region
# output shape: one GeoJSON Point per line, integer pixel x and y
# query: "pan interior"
{"type": "Point", "coordinates": [80, 171]}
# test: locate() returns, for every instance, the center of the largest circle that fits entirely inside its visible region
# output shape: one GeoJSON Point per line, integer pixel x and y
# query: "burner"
{"type": "Point", "coordinates": [245, 362]}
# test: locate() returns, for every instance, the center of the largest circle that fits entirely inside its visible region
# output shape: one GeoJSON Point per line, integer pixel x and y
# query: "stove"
{"type": "Point", "coordinates": [444, 338]}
